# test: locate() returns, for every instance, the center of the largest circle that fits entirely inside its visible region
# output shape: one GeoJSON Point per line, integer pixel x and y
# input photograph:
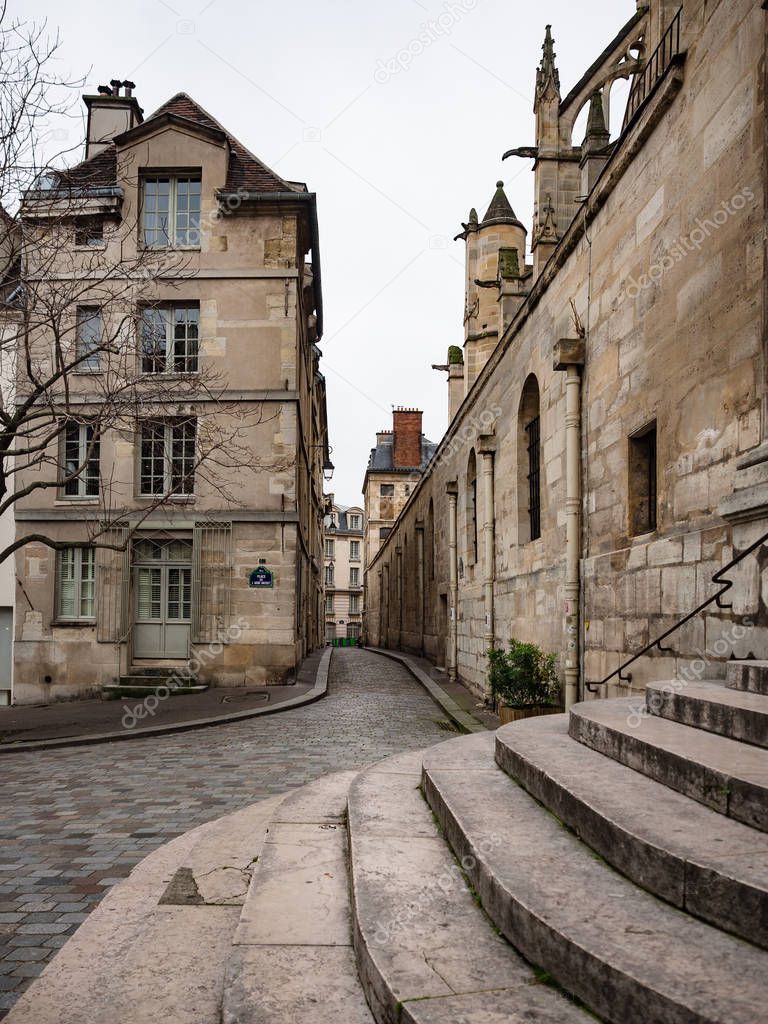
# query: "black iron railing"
{"type": "Point", "coordinates": [655, 68]}
{"type": "Point", "coordinates": [724, 584]}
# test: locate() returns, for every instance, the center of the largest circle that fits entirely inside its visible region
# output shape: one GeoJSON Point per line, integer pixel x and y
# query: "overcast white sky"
{"type": "Point", "coordinates": [397, 159]}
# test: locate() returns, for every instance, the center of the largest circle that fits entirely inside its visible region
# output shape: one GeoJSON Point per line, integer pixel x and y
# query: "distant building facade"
{"type": "Point", "coordinates": [608, 447]}
{"type": "Point", "coordinates": [343, 572]}
{"type": "Point", "coordinates": [394, 468]}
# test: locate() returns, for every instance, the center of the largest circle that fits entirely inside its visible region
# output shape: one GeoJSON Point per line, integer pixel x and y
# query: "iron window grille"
{"type": "Point", "coordinates": [533, 430]}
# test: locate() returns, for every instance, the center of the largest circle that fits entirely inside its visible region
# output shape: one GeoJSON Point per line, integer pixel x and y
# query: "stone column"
{"type": "Point", "coordinates": [385, 616]}
{"type": "Point", "coordinates": [400, 596]}
{"type": "Point", "coordinates": [486, 448]}
{"type": "Point", "coordinates": [420, 581]}
{"type": "Point", "coordinates": [453, 567]}
{"type": "Point", "coordinates": [569, 356]}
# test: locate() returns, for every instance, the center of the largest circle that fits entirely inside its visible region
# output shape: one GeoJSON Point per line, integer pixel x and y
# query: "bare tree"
{"type": "Point", "coordinates": [86, 352]}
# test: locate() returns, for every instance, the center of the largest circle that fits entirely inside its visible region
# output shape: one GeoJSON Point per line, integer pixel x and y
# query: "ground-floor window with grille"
{"type": "Point", "coordinates": [353, 630]}
{"type": "Point", "coordinates": [167, 461]}
{"type": "Point", "coordinates": [533, 430]}
{"type": "Point", "coordinates": [75, 583]}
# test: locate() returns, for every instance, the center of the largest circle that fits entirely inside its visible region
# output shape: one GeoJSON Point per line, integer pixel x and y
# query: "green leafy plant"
{"type": "Point", "coordinates": [523, 676]}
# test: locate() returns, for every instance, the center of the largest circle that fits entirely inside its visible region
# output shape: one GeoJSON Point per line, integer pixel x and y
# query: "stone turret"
{"type": "Point", "coordinates": [495, 256]}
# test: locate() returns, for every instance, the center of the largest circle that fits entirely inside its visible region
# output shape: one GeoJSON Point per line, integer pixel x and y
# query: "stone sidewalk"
{"type": "Point", "coordinates": [64, 720]}
{"type": "Point", "coordinates": [77, 820]}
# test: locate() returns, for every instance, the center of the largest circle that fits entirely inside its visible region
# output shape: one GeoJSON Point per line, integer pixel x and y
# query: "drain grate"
{"type": "Point", "coordinates": [445, 725]}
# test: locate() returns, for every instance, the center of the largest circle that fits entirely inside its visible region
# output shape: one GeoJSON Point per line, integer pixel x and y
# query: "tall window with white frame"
{"type": "Point", "coordinates": [354, 577]}
{"type": "Point", "coordinates": [329, 576]}
{"type": "Point", "coordinates": [89, 331]}
{"type": "Point", "coordinates": [170, 211]}
{"type": "Point", "coordinates": [329, 548]}
{"type": "Point", "coordinates": [354, 550]}
{"type": "Point", "coordinates": [75, 583]}
{"type": "Point", "coordinates": [80, 461]}
{"type": "Point", "coordinates": [167, 457]}
{"type": "Point", "coordinates": [169, 338]}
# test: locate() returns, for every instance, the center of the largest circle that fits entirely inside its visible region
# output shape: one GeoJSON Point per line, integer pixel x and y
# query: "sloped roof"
{"type": "Point", "coordinates": [381, 459]}
{"type": "Point", "coordinates": [245, 170]}
{"type": "Point", "coordinates": [500, 211]}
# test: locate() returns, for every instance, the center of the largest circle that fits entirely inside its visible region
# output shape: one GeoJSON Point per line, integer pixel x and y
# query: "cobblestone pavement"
{"type": "Point", "coordinates": [75, 821]}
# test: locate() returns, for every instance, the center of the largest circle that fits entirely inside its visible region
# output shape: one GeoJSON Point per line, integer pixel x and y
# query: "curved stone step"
{"type": "Point", "coordinates": [747, 675]}
{"type": "Point", "coordinates": [291, 960]}
{"type": "Point", "coordinates": [426, 953]}
{"type": "Point", "coordinates": [630, 957]}
{"type": "Point", "coordinates": [737, 714]}
{"type": "Point", "coordinates": [728, 776]}
{"type": "Point", "coordinates": [687, 854]}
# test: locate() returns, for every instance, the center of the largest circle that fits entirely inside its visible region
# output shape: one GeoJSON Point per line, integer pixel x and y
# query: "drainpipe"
{"type": "Point", "coordinates": [487, 447]}
{"type": "Point", "coordinates": [385, 637]}
{"type": "Point", "coordinates": [453, 611]}
{"type": "Point", "coordinates": [569, 356]}
{"type": "Point", "coordinates": [400, 597]}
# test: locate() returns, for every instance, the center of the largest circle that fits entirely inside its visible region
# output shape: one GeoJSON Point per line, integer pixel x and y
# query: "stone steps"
{"type": "Point", "coordinates": [627, 955]}
{"type": "Point", "coordinates": [151, 682]}
{"type": "Point", "coordinates": [426, 953]}
{"type": "Point", "coordinates": [677, 849]}
{"type": "Point", "coordinates": [728, 776]}
{"type": "Point", "coordinates": [747, 675]}
{"type": "Point", "coordinates": [739, 715]}
{"type": "Point", "coordinates": [291, 960]}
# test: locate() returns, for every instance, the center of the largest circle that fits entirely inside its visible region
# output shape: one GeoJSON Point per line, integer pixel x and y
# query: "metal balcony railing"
{"type": "Point", "coordinates": [724, 584]}
{"type": "Point", "coordinates": [654, 70]}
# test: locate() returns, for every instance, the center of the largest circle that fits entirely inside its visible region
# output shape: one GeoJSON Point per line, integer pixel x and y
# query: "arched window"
{"type": "Point", "coordinates": [472, 507]}
{"type": "Point", "coordinates": [529, 462]}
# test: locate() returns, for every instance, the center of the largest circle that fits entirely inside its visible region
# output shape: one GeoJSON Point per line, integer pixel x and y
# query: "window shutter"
{"type": "Point", "coordinates": [212, 581]}
{"type": "Point", "coordinates": [113, 588]}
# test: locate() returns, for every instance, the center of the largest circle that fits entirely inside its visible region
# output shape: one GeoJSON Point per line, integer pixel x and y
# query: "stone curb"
{"type": "Point", "coordinates": [318, 690]}
{"type": "Point", "coordinates": [462, 719]}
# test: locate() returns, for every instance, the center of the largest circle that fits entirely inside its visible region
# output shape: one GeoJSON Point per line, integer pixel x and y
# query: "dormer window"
{"type": "Point", "coordinates": [170, 212]}
{"type": "Point", "coordinates": [89, 233]}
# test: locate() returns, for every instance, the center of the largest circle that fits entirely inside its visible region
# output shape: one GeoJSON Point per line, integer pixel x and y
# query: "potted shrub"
{"type": "Point", "coordinates": [523, 682]}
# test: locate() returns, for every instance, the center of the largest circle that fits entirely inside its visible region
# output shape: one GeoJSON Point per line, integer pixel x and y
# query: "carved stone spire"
{"type": "Point", "coordinates": [547, 75]}
{"type": "Point", "coordinates": [598, 136]}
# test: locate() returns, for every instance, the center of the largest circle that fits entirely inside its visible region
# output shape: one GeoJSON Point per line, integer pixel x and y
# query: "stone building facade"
{"type": "Point", "coordinates": [606, 453]}
{"type": "Point", "coordinates": [343, 555]}
{"type": "Point", "coordinates": [221, 568]}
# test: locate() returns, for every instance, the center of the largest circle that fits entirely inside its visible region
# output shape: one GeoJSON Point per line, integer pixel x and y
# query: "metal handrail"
{"type": "Point", "coordinates": [654, 69]}
{"type": "Point", "coordinates": [724, 584]}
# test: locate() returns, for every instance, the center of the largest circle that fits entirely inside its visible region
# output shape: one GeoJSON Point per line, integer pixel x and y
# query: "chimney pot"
{"type": "Point", "coordinates": [115, 83]}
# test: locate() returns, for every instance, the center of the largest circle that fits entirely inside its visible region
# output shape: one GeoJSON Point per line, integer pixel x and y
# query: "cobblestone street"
{"type": "Point", "coordinates": [75, 821]}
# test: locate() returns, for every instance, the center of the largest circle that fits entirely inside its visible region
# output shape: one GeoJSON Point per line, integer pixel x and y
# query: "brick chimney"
{"type": "Point", "coordinates": [406, 424]}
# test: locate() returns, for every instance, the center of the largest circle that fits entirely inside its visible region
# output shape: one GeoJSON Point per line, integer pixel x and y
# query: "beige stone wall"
{"type": "Point", "coordinates": [685, 351]}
